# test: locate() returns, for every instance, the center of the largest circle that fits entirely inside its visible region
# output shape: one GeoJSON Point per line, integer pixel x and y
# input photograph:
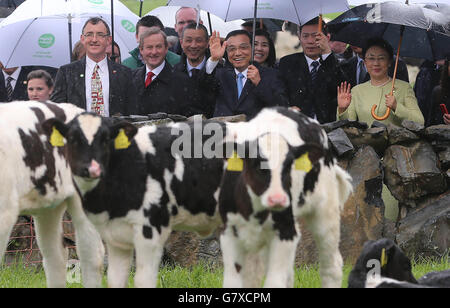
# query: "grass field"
{"type": "Point", "coordinates": [199, 276]}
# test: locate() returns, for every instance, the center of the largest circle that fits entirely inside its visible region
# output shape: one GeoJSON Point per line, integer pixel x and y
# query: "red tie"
{"type": "Point", "coordinates": [148, 81]}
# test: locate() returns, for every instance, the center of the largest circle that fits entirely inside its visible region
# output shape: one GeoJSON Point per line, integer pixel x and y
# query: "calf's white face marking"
{"type": "Point", "coordinates": [89, 125]}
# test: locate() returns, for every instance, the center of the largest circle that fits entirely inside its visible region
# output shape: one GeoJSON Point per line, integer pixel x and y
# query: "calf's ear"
{"type": "Point", "coordinates": [123, 133]}
{"type": "Point", "coordinates": [55, 130]}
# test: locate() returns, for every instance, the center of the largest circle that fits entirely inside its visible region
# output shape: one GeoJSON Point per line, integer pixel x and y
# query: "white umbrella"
{"type": "Point", "coordinates": [296, 11]}
{"type": "Point", "coordinates": [37, 32]}
{"type": "Point", "coordinates": [360, 2]}
{"type": "Point", "coordinates": [167, 16]}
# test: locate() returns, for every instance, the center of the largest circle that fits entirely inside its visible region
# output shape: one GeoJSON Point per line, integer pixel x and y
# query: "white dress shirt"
{"type": "Point", "coordinates": [211, 65]}
{"type": "Point", "coordinates": [199, 67]}
{"type": "Point", "coordinates": [104, 77]}
{"type": "Point", "coordinates": [155, 71]}
{"type": "Point", "coordinates": [310, 61]}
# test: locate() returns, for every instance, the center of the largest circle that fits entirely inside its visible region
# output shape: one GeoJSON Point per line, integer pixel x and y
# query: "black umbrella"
{"type": "Point", "coordinates": [418, 32]}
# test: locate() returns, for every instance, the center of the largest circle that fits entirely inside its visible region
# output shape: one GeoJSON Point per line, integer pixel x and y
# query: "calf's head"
{"type": "Point", "coordinates": [89, 142]}
{"type": "Point", "coordinates": [268, 168]}
{"type": "Point", "coordinates": [384, 256]}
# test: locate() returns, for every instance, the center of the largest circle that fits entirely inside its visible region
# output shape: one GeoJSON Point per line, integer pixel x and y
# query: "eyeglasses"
{"type": "Point", "coordinates": [233, 49]}
{"type": "Point", "coordinates": [99, 35]}
{"type": "Point", "coordinates": [376, 59]}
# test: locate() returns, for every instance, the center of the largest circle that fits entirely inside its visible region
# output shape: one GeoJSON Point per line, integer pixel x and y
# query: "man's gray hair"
{"type": "Point", "coordinates": [149, 32]}
{"type": "Point", "coordinates": [185, 7]}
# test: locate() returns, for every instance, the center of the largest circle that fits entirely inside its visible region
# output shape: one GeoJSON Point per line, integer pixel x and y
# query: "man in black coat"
{"type": "Point", "coordinates": [159, 89]}
{"type": "Point", "coordinates": [75, 81]}
{"type": "Point", "coordinates": [18, 83]}
{"type": "Point", "coordinates": [239, 87]}
{"type": "Point", "coordinates": [356, 72]}
{"type": "Point", "coordinates": [194, 41]}
{"type": "Point", "coordinates": [311, 78]}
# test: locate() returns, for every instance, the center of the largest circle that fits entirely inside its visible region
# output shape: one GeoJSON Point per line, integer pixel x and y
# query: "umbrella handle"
{"type": "Point", "coordinates": [388, 110]}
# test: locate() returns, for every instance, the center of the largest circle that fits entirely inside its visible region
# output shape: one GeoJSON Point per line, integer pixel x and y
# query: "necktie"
{"type": "Point", "coordinates": [240, 84]}
{"type": "Point", "coordinates": [194, 73]}
{"type": "Point", "coordinates": [149, 79]}
{"type": "Point", "coordinates": [9, 89]}
{"type": "Point", "coordinates": [314, 71]}
{"type": "Point", "coordinates": [362, 72]}
{"type": "Point", "coordinates": [97, 105]}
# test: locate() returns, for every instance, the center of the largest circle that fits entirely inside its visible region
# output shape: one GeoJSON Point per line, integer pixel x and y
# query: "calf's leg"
{"type": "Point", "coordinates": [49, 233]}
{"type": "Point", "coordinates": [90, 248]}
{"type": "Point", "coordinates": [233, 260]}
{"type": "Point", "coordinates": [119, 261]}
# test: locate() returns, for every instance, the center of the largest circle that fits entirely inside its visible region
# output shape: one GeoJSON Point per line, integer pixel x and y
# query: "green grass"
{"type": "Point", "coordinates": [198, 276]}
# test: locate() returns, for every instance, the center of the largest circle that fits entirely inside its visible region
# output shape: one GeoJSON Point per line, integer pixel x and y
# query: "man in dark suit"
{"type": "Point", "coordinates": [356, 71]}
{"type": "Point", "coordinates": [13, 83]}
{"type": "Point", "coordinates": [159, 89]}
{"type": "Point", "coordinates": [311, 78]}
{"type": "Point", "coordinates": [241, 88]}
{"type": "Point", "coordinates": [96, 83]}
{"type": "Point", "coordinates": [194, 41]}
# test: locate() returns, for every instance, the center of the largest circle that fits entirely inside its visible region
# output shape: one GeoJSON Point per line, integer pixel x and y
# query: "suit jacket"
{"type": "Point", "coordinates": [427, 79]}
{"type": "Point", "coordinates": [20, 92]}
{"type": "Point", "coordinates": [206, 100]}
{"type": "Point", "coordinates": [170, 92]}
{"type": "Point", "coordinates": [70, 86]}
{"type": "Point", "coordinates": [269, 92]}
{"type": "Point", "coordinates": [319, 99]}
{"type": "Point", "coordinates": [435, 116]}
{"type": "Point", "coordinates": [350, 67]}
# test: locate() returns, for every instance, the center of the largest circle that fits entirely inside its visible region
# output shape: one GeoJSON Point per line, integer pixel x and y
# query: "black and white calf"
{"type": "Point", "coordinates": [136, 190]}
{"type": "Point", "coordinates": [290, 173]}
{"type": "Point", "coordinates": [382, 264]}
{"type": "Point", "coordinates": [36, 180]}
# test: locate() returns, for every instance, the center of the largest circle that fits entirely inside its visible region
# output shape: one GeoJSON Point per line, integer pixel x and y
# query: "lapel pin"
{"type": "Point", "coordinates": [114, 71]}
{"type": "Point", "coordinates": [82, 75]}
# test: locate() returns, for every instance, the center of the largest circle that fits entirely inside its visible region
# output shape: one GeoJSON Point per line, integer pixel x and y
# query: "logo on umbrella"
{"type": "Point", "coordinates": [128, 25]}
{"type": "Point", "coordinates": [96, 1]}
{"type": "Point", "coordinates": [46, 40]}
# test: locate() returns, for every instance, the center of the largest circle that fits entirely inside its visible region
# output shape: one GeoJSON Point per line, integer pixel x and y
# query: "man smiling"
{"type": "Point", "coordinates": [159, 88]}
{"type": "Point", "coordinates": [94, 82]}
{"type": "Point", "coordinates": [241, 87]}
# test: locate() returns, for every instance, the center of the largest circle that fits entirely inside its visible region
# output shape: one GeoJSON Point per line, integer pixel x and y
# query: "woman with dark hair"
{"type": "Point", "coordinates": [356, 104]}
{"type": "Point", "coordinates": [264, 49]}
{"type": "Point", "coordinates": [39, 85]}
{"type": "Point", "coordinates": [441, 95]}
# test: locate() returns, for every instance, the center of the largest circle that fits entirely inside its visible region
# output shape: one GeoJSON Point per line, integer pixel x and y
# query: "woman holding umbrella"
{"type": "Point", "coordinates": [356, 104]}
{"type": "Point", "coordinates": [441, 95]}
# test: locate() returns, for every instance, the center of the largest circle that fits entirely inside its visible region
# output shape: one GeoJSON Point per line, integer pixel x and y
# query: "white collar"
{"type": "Point", "coordinates": [103, 64]}
{"type": "Point", "coordinates": [157, 70]}
{"type": "Point", "coordinates": [359, 59]}
{"type": "Point", "coordinates": [243, 72]}
{"type": "Point", "coordinates": [199, 67]}
{"type": "Point", "coordinates": [323, 57]}
{"type": "Point", "coordinates": [14, 75]}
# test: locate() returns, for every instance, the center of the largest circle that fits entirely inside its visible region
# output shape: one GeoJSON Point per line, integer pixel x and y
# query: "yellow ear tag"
{"type": "Point", "coordinates": [303, 163]}
{"type": "Point", "coordinates": [121, 142]}
{"type": "Point", "coordinates": [235, 163]}
{"type": "Point", "coordinates": [384, 259]}
{"type": "Point", "coordinates": [56, 139]}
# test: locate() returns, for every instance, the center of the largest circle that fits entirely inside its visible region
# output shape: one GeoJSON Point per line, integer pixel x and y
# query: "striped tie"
{"type": "Point", "coordinates": [9, 89]}
{"type": "Point", "coordinates": [97, 105]}
{"type": "Point", "coordinates": [314, 71]}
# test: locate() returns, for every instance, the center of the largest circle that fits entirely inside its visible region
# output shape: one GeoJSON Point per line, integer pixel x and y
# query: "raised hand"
{"type": "Point", "coordinates": [216, 49]}
{"type": "Point", "coordinates": [323, 43]}
{"type": "Point", "coordinates": [344, 96]}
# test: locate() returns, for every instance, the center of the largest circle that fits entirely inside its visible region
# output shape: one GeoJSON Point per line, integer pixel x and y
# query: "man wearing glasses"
{"type": "Point", "coordinates": [241, 87]}
{"type": "Point", "coordinates": [96, 83]}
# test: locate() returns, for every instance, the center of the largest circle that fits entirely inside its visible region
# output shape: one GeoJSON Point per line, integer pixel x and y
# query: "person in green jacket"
{"type": "Point", "coordinates": [145, 23]}
{"type": "Point", "coordinates": [357, 103]}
